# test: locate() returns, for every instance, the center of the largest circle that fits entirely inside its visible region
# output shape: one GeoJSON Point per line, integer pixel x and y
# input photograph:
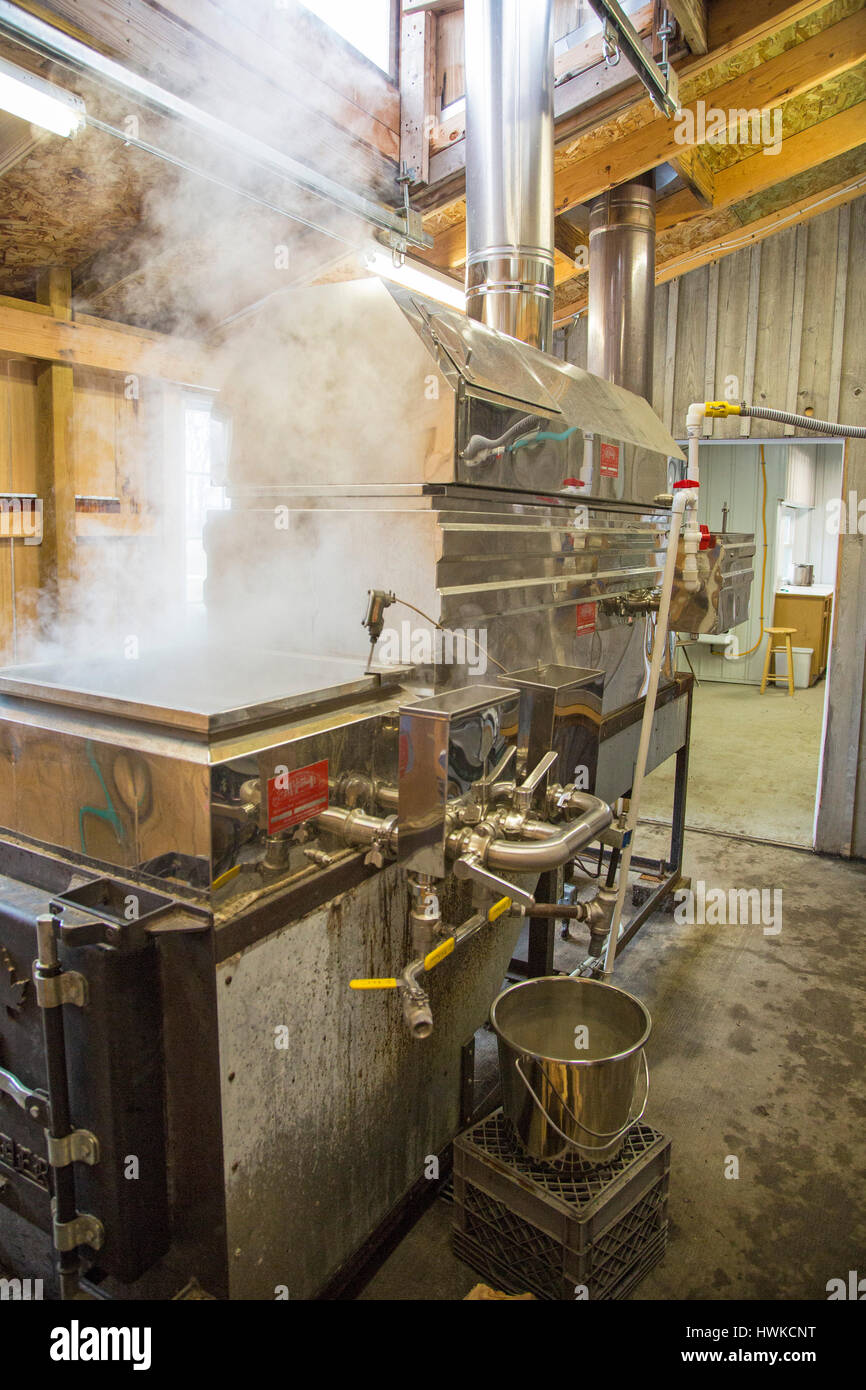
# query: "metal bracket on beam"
{"type": "Point", "coordinates": [619, 31]}
{"type": "Point", "coordinates": [80, 1146]}
{"type": "Point", "coordinates": [53, 990]}
{"type": "Point", "coordinates": [83, 1229]}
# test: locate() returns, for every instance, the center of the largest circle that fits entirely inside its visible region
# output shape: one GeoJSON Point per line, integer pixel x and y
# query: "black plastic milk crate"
{"type": "Point", "coordinates": [553, 1228]}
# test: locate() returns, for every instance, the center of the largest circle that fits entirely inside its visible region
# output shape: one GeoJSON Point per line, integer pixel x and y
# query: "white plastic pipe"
{"type": "Point", "coordinates": [685, 499]}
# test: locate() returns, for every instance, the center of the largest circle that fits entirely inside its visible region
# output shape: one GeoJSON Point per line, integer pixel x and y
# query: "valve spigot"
{"type": "Point", "coordinates": [525, 792]}
{"type": "Point", "coordinates": [374, 618]}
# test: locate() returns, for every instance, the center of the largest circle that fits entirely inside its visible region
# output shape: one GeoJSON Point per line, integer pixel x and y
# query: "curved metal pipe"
{"type": "Point", "coordinates": [540, 846]}
{"type": "Point", "coordinates": [538, 855]}
{"type": "Point", "coordinates": [358, 827]}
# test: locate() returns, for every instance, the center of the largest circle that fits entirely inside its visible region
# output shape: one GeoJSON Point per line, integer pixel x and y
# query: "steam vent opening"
{"type": "Point", "coordinates": [432, 800]}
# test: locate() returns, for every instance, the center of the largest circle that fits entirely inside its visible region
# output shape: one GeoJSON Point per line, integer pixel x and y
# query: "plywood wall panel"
{"type": "Point", "coordinates": [94, 433]}
{"type": "Point", "coordinates": [818, 313]}
{"type": "Point", "coordinates": [691, 346]}
{"type": "Point", "coordinates": [19, 563]}
{"type": "Point", "coordinates": [775, 312]}
{"type": "Point", "coordinates": [731, 348]}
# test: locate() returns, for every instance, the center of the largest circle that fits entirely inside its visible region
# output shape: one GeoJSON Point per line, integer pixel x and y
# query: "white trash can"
{"type": "Point", "coordinates": [802, 666]}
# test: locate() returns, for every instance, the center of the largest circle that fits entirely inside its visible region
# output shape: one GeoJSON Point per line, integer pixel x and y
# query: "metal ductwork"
{"type": "Point", "coordinates": [509, 167]}
{"type": "Point", "coordinates": [622, 234]}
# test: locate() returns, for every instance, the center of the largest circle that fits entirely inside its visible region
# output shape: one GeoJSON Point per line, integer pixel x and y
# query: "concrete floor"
{"type": "Point", "coordinates": [755, 1053]}
{"type": "Point", "coordinates": [753, 765]}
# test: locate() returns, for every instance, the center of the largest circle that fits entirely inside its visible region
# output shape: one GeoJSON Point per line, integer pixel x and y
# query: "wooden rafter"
{"type": "Point", "coordinates": [691, 16]}
{"type": "Point", "coordinates": [648, 140]}
{"type": "Point", "coordinates": [45, 331]}
{"type": "Point", "coordinates": [814, 145]}
{"type": "Point", "coordinates": [798, 69]}
{"type": "Point", "coordinates": [597, 92]}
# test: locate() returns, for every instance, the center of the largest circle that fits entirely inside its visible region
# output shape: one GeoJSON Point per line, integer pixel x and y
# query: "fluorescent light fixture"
{"type": "Point", "coordinates": [417, 277]}
{"type": "Point", "coordinates": [29, 97]}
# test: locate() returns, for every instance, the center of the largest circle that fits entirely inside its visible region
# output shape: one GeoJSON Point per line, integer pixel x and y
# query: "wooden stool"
{"type": "Point", "coordinates": [787, 633]}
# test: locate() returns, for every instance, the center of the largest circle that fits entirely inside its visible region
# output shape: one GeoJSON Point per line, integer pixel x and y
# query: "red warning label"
{"type": "Point", "coordinates": [585, 618]}
{"type": "Point", "coordinates": [610, 460]}
{"type": "Point", "coordinates": [297, 796]}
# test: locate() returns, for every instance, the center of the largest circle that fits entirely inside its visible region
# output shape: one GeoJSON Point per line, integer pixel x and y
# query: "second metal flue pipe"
{"type": "Point", "coordinates": [622, 242]}
{"type": "Point", "coordinates": [510, 203]}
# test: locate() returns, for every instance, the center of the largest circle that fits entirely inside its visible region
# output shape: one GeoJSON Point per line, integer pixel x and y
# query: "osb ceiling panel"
{"type": "Point", "coordinates": [811, 181]}
{"type": "Point", "coordinates": [808, 109]}
{"type": "Point", "coordinates": [65, 201]}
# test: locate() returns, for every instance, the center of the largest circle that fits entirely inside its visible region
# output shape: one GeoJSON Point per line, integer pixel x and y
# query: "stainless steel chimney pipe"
{"type": "Point", "coordinates": [622, 240]}
{"type": "Point", "coordinates": [509, 166]}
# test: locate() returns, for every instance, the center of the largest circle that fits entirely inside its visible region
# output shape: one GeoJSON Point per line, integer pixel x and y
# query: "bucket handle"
{"type": "Point", "coordinates": [633, 1119]}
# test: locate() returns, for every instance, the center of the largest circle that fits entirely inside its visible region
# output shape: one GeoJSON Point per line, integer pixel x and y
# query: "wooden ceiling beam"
{"type": "Point", "coordinates": [417, 93]}
{"type": "Point", "coordinates": [48, 337]}
{"type": "Point", "coordinates": [681, 206]}
{"type": "Point", "coordinates": [729, 21]}
{"type": "Point", "coordinates": [814, 145]}
{"type": "Point", "coordinates": [760, 229]}
{"type": "Point", "coordinates": [569, 239]}
{"type": "Point", "coordinates": [696, 175]}
{"type": "Point", "coordinates": [691, 16]}
{"type": "Point", "coordinates": [833, 51]}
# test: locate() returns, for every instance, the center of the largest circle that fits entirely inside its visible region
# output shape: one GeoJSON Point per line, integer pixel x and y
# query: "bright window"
{"type": "Point", "coordinates": [365, 24]}
{"type": "Point", "coordinates": [204, 444]}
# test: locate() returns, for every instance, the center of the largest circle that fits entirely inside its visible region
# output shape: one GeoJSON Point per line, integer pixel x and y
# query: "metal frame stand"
{"type": "Point", "coordinates": [542, 931]}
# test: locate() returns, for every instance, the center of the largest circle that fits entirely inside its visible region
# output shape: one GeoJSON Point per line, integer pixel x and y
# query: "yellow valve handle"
{"type": "Point", "coordinates": [227, 876]}
{"type": "Point", "coordinates": [721, 408]}
{"type": "Point", "coordinates": [439, 953]}
{"type": "Point", "coordinates": [435, 956]}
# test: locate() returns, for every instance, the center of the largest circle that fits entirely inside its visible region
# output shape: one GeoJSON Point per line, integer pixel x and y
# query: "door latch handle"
{"type": "Point", "coordinates": [34, 1102]}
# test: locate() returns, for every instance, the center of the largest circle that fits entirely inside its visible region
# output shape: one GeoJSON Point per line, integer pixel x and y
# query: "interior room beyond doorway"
{"type": "Point", "coordinates": [755, 758]}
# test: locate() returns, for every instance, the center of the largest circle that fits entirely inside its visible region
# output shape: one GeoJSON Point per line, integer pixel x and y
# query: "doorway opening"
{"type": "Point", "coordinates": [755, 759]}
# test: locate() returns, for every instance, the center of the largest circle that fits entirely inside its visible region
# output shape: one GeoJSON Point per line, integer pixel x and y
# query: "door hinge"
{"type": "Point", "coordinates": [67, 988]}
{"type": "Point", "coordinates": [78, 1147]}
{"type": "Point", "coordinates": [83, 1229]}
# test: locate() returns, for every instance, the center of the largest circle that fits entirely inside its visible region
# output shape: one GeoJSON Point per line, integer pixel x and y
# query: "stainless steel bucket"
{"type": "Point", "coordinates": [570, 1051]}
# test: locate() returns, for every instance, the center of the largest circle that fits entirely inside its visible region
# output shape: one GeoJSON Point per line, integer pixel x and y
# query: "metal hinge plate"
{"type": "Point", "coordinates": [68, 988]}
{"type": "Point", "coordinates": [78, 1147]}
{"type": "Point", "coordinates": [84, 1229]}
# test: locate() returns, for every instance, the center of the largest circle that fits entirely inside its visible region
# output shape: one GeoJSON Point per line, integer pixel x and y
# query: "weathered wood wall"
{"type": "Point", "coordinates": [784, 324]}
{"type": "Point", "coordinates": [115, 451]}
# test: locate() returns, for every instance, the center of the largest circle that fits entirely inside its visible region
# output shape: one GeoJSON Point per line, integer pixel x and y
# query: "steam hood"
{"type": "Point", "coordinates": [368, 385]}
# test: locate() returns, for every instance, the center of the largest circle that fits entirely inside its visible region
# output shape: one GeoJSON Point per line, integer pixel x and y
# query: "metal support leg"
{"type": "Point", "coordinates": [542, 934]}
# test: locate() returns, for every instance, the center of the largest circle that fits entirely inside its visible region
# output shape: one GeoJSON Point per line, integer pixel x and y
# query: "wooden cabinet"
{"type": "Point", "coordinates": [811, 615]}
